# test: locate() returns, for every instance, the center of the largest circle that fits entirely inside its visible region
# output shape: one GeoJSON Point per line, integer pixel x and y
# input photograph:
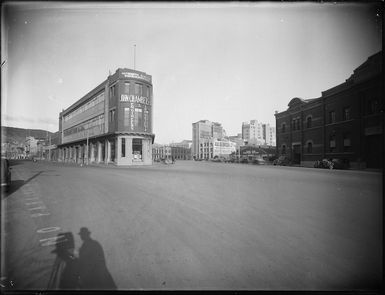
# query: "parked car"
{"type": "Point", "coordinates": [282, 161]}
{"type": "Point", "coordinates": [5, 174]}
{"type": "Point", "coordinates": [259, 161]}
{"type": "Point", "coordinates": [325, 163]}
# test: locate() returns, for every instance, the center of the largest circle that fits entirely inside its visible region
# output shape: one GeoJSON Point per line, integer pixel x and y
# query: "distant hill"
{"type": "Point", "coordinates": [18, 135]}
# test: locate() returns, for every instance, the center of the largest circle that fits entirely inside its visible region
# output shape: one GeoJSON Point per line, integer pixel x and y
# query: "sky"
{"type": "Point", "coordinates": [224, 62]}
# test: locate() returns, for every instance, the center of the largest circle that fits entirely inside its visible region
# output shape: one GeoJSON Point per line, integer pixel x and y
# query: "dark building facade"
{"type": "Point", "coordinates": [345, 123]}
{"type": "Point", "coordinates": [110, 124]}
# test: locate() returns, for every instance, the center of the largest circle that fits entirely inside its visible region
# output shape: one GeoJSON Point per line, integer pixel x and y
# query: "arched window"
{"type": "Point", "coordinates": [283, 127]}
{"type": "Point", "coordinates": [284, 149]}
{"type": "Point", "coordinates": [309, 147]}
{"type": "Point", "coordinates": [308, 122]}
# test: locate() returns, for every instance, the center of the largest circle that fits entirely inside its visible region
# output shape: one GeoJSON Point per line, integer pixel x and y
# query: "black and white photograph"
{"type": "Point", "coordinates": [192, 146]}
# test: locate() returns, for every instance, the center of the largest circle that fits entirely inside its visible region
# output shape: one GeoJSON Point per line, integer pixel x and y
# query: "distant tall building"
{"type": "Point", "coordinates": [269, 134]}
{"type": "Point", "coordinates": [202, 132]}
{"type": "Point", "coordinates": [252, 132]}
{"type": "Point", "coordinates": [217, 130]}
{"type": "Point", "coordinates": [257, 133]}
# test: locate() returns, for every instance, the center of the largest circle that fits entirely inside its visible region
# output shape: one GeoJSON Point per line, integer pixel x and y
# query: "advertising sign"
{"type": "Point", "coordinates": [135, 98]}
{"type": "Point", "coordinates": [137, 76]}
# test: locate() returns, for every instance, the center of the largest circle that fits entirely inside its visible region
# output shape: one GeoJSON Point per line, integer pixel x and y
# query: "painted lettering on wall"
{"type": "Point", "coordinates": [134, 98]}
{"type": "Point", "coordinates": [145, 118]}
{"type": "Point", "coordinates": [132, 115]}
{"type": "Point", "coordinates": [137, 76]}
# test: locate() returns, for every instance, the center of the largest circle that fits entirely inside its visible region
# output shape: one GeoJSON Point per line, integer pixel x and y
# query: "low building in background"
{"type": "Point", "coordinates": [345, 123]}
{"type": "Point", "coordinates": [161, 152]}
{"type": "Point", "coordinates": [181, 150]}
{"type": "Point", "coordinates": [212, 148]}
{"type": "Point", "coordinates": [176, 151]}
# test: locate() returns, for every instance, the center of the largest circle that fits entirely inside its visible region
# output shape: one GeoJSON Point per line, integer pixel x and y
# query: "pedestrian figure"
{"type": "Point", "coordinates": [93, 272]}
{"type": "Point", "coordinates": [64, 273]}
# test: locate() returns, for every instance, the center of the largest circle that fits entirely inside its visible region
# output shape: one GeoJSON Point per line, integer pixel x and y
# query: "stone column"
{"type": "Point", "coordinates": [145, 153]}
{"type": "Point", "coordinates": [99, 147]}
{"type": "Point", "coordinates": [92, 152]}
{"type": "Point", "coordinates": [107, 149]}
{"type": "Point", "coordinates": [118, 152]}
{"type": "Point", "coordinates": [129, 149]}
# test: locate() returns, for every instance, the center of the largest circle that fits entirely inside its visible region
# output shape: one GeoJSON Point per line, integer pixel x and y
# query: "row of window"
{"type": "Point", "coordinates": [137, 89]}
{"type": "Point", "coordinates": [296, 123]}
{"type": "Point", "coordinates": [202, 150]}
{"type": "Point", "coordinates": [93, 102]}
{"type": "Point", "coordinates": [345, 115]}
{"type": "Point", "coordinates": [139, 118]}
{"type": "Point", "coordinates": [346, 143]}
{"type": "Point", "coordinates": [96, 121]}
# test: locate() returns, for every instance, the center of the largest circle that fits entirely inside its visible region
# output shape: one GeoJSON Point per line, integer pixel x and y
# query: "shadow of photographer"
{"type": "Point", "coordinates": [87, 272]}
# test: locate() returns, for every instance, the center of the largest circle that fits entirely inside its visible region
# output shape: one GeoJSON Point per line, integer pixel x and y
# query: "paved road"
{"type": "Point", "coordinates": [199, 225]}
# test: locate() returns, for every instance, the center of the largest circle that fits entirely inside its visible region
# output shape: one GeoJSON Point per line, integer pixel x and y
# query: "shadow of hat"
{"type": "Point", "coordinates": [84, 231]}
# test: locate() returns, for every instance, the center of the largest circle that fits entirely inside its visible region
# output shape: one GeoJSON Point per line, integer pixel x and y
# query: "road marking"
{"type": "Point", "coordinates": [38, 208]}
{"type": "Point", "coordinates": [31, 199]}
{"type": "Point", "coordinates": [31, 203]}
{"type": "Point", "coordinates": [48, 229]}
{"type": "Point", "coordinates": [52, 241]}
{"type": "Point", "coordinates": [40, 214]}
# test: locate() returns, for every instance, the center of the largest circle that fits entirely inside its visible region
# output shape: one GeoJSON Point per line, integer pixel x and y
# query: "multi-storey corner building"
{"type": "Point", "coordinates": [345, 123]}
{"type": "Point", "coordinates": [202, 132]}
{"type": "Point", "coordinates": [110, 124]}
{"type": "Point", "coordinates": [257, 133]}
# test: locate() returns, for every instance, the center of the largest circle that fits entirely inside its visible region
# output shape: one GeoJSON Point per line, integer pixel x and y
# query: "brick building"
{"type": "Point", "coordinates": [345, 123]}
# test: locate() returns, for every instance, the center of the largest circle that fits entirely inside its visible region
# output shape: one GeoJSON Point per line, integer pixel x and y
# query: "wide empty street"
{"type": "Point", "coordinates": [199, 225]}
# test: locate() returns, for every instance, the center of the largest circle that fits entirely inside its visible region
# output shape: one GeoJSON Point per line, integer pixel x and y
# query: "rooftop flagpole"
{"type": "Point", "coordinates": [134, 56]}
